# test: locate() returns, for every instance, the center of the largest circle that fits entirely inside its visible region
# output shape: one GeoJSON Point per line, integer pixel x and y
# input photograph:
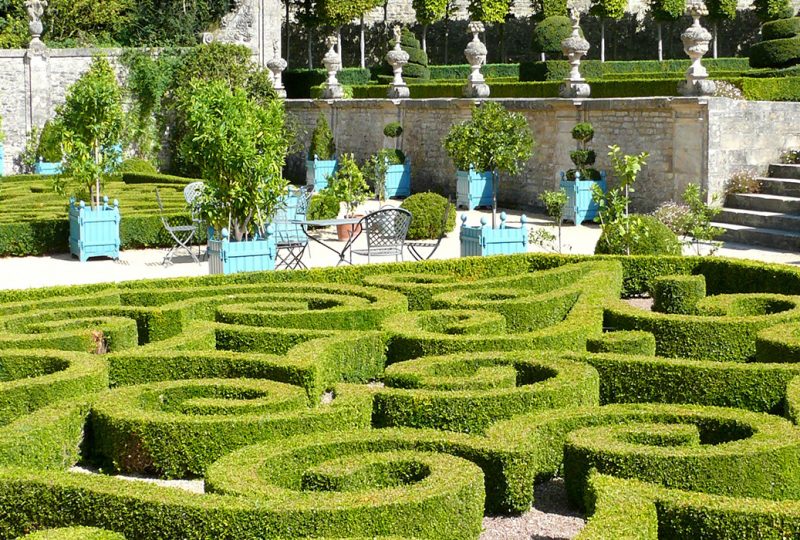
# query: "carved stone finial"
{"type": "Point", "coordinates": [276, 66]}
{"type": "Point", "coordinates": [574, 48]}
{"type": "Point", "coordinates": [35, 12]}
{"type": "Point", "coordinates": [397, 58]}
{"type": "Point", "coordinates": [333, 63]}
{"type": "Point", "coordinates": [695, 44]}
{"type": "Point", "coordinates": [475, 52]}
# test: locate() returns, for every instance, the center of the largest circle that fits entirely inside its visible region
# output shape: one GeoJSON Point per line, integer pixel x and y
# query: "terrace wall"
{"type": "Point", "coordinates": [689, 139]}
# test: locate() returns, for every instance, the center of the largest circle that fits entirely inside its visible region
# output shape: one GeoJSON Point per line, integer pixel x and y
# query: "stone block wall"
{"type": "Point", "coordinates": [673, 130]}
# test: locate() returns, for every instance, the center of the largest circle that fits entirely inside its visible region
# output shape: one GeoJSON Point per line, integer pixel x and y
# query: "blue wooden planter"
{"type": "Point", "coordinates": [2, 160]}
{"type": "Point", "coordinates": [47, 168]}
{"type": "Point", "coordinates": [398, 180]}
{"type": "Point", "coordinates": [473, 189]}
{"type": "Point", "coordinates": [580, 206]}
{"type": "Point", "coordinates": [94, 232]}
{"type": "Point", "coordinates": [484, 240]}
{"type": "Point", "coordinates": [318, 171]}
{"type": "Point", "coordinates": [226, 257]}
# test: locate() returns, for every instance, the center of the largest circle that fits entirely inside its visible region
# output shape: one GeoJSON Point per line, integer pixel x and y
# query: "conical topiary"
{"type": "Point", "coordinates": [322, 143]}
{"type": "Point", "coordinates": [417, 67]}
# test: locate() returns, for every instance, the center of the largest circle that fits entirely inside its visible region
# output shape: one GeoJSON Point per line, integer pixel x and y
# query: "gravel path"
{"type": "Point", "coordinates": [640, 302]}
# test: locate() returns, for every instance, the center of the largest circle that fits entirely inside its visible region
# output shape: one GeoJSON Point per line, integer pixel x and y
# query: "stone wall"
{"type": "Point", "coordinates": [689, 140]}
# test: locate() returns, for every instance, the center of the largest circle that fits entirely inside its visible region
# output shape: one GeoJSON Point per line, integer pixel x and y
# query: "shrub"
{"type": "Point", "coordinates": [677, 294]}
{"type": "Point", "coordinates": [74, 533]}
{"type": "Point", "coordinates": [393, 129]}
{"type": "Point", "coordinates": [781, 28]}
{"type": "Point", "coordinates": [630, 342]}
{"type": "Point", "coordinates": [137, 165]}
{"type": "Point", "coordinates": [776, 53]}
{"type": "Point", "coordinates": [651, 238]}
{"type": "Point", "coordinates": [322, 144]}
{"type": "Point", "coordinates": [417, 67]}
{"type": "Point", "coordinates": [49, 148]}
{"type": "Point", "coordinates": [549, 33]}
{"type": "Point", "coordinates": [790, 157]}
{"type": "Point", "coordinates": [427, 211]}
{"type": "Point", "coordinates": [673, 215]}
{"type": "Point", "coordinates": [770, 10]}
{"type": "Point", "coordinates": [323, 205]}
{"type": "Point", "coordinates": [743, 181]}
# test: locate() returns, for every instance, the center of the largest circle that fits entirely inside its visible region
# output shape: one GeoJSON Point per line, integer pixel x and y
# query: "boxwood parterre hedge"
{"type": "Point", "coordinates": [264, 385]}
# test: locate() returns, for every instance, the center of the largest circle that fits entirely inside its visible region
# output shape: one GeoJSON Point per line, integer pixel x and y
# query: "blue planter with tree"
{"type": "Point", "coordinates": [318, 171]}
{"type": "Point", "coordinates": [486, 240]}
{"type": "Point", "coordinates": [473, 189]}
{"type": "Point", "coordinates": [398, 180]}
{"type": "Point", "coordinates": [47, 168]}
{"type": "Point", "coordinates": [227, 257]}
{"type": "Point", "coordinates": [94, 231]}
{"type": "Point", "coordinates": [321, 162]}
{"type": "Point", "coordinates": [581, 206]}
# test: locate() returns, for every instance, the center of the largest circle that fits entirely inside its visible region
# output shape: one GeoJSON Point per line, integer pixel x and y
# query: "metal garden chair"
{"type": "Point", "coordinates": [190, 194]}
{"type": "Point", "coordinates": [291, 239]}
{"type": "Point", "coordinates": [416, 248]}
{"type": "Point", "coordinates": [386, 231]}
{"type": "Point", "coordinates": [182, 235]}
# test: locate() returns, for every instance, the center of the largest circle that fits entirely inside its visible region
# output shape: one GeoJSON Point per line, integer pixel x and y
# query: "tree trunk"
{"type": "Point", "coordinates": [716, 31]}
{"type": "Point", "coordinates": [502, 31]}
{"type": "Point", "coordinates": [660, 44]}
{"type": "Point", "coordinates": [425, 38]}
{"type": "Point", "coordinates": [544, 57]}
{"type": "Point", "coordinates": [339, 47]}
{"type": "Point", "coordinates": [602, 40]}
{"type": "Point", "coordinates": [97, 178]}
{"type": "Point", "coordinates": [446, 35]}
{"type": "Point", "coordinates": [286, 49]}
{"type": "Point", "coordinates": [494, 199]}
{"type": "Point", "coordinates": [310, 59]}
{"type": "Point", "coordinates": [363, 62]}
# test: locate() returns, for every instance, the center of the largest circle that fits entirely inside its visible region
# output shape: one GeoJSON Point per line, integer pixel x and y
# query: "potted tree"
{"type": "Point", "coordinates": [349, 187]}
{"type": "Point", "coordinates": [239, 144]}
{"type": "Point", "coordinates": [49, 153]}
{"type": "Point", "coordinates": [579, 182]}
{"type": "Point", "coordinates": [398, 171]}
{"type": "Point", "coordinates": [91, 122]}
{"type": "Point", "coordinates": [321, 162]}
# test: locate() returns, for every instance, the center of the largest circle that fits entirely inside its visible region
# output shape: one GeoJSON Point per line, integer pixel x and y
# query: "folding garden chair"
{"type": "Point", "coordinates": [190, 193]}
{"type": "Point", "coordinates": [386, 231]}
{"type": "Point", "coordinates": [416, 247]}
{"type": "Point", "coordinates": [291, 240]}
{"type": "Point", "coordinates": [182, 235]}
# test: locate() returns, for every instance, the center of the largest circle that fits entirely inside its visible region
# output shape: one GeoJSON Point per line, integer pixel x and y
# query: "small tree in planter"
{"type": "Point", "coordinates": [91, 122]}
{"type": "Point", "coordinates": [350, 187]}
{"type": "Point", "coordinates": [493, 140]}
{"type": "Point", "coordinates": [389, 170]}
{"type": "Point", "coordinates": [321, 161]}
{"type": "Point", "coordinates": [579, 182]}
{"type": "Point", "coordinates": [240, 147]}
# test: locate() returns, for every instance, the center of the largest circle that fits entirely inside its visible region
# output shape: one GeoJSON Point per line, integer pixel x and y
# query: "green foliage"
{"type": "Point", "coordinates": [429, 11]}
{"type": "Point", "coordinates": [770, 10]}
{"type": "Point", "coordinates": [172, 22]}
{"type": "Point", "coordinates": [779, 344]}
{"type": "Point", "coordinates": [74, 533]}
{"type": "Point", "coordinates": [698, 220]}
{"type": "Point", "coordinates": [337, 13]}
{"type": "Point", "coordinates": [427, 212]}
{"type": "Point", "coordinates": [638, 235]}
{"type": "Point", "coordinates": [556, 70]}
{"type": "Point", "coordinates": [630, 342]}
{"type": "Point", "coordinates": [791, 157]}
{"type": "Point", "coordinates": [667, 10]}
{"type": "Point", "coordinates": [240, 147]}
{"type": "Point", "coordinates": [417, 67]}
{"type": "Point", "coordinates": [743, 181]}
{"type": "Point", "coordinates": [91, 120]}
{"type": "Point", "coordinates": [393, 129]}
{"type": "Point", "coordinates": [677, 294]}
{"type": "Point", "coordinates": [719, 10]}
{"type": "Point", "coordinates": [322, 144]}
{"type": "Point", "coordinates": [609, 9]}
{"type": "Point", "coordinates": [583, 132]}
{"type": "Point", "coordinates": [298, 82]}
{"type": "Point", "coordinates": [86, 22]}
{"type": "Point", "coordinates": [549, 33]}
{"type": "Point", "coordinates": [374, 170]}
{"type": "Point", "coordinates": [781, 28]}
{"type": "Point", "coordinates": [14, 33]}
{"type": "Point", "coordinates": [550, 8]}
{"type": "Point", "coordinates": [777, 89]}
{"type": "Point", "coordinates": [137, 166]}
{"type": "Point", "coordinates": [492, 140]}
{"type": "Point", "coordinates": [49, 142]}
{"type": "Point", "coordinates": [554, 204]}
{"type": "Point", "coordinates": [489, 11]}
{"type": "Point", "coordinates": [348, 184]}
{"type": "Point", "coordinates": [776, 53]}
{"type": "Point", "coordinates": [323, 205]}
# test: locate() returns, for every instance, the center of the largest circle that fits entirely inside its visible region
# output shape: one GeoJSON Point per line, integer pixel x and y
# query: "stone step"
{"type": "Point", "coordinates": [760, 219]}
{"type": "Point", "coordinates": [764, 202]}
{"type": "Point", "coordinates": [781, 170]}
{"type": "Point", "coordinates": [780, 186]}
{"type": "Point", "coordinates": [760, 236]}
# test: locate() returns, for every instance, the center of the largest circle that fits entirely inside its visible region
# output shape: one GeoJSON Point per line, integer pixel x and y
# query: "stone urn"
{"type": "Point", "coordinates": [397, 58]}
{"type": "Point", "coordinates": [574, 48]}
{"type": "Point", "coordinates": [475, 52]}
{"type": "Point", "coordinates": [695, 44]}
{"type": "Point", "coordinates": [276, 67]}
{"type": "Point", "coordinates": [333, 63]}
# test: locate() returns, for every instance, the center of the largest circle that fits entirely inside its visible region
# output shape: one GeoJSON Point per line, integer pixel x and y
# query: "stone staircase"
{"type": "Point", "coordinates": [770, 218]}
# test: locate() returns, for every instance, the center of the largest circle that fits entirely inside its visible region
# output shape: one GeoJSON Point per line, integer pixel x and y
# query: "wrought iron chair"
{"type": "Point", "coordinates": [190, 194]}
{"type": "Point", "coordinates": [416, 248]}
{"type": "Point", "coordinates": [291, 239]}
{"type": "Point", "coordinates": [386, 231]}
{"type": "Point", "coordinates": [181, 234]}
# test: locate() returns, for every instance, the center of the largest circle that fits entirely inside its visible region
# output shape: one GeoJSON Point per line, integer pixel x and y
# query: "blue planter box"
{"type": "Point", "coordinates": [580, 206]}
{"type": "Point", "coordinates": [94, 232]}
{"type": "Point", "coordinates": [318, 171]}
{"type": "Point", "coordinates": [484, 240]}
{"type": "Point", "coordinates": [226, 257]}
{"type": "Point", "coordinates": [398, 180]}
{"type": "Point", "coordinates": [48, 168]}
{"type": "Point", "coordinates": [473, 189]}
{"type": "Point", "coordinates": [2, 160]}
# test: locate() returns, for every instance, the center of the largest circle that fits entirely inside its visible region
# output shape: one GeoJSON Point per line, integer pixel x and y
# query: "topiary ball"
{"type": "Point", "coordinates": [677, 294]}
{"type": "Point", "coordinates": [654, 238]}
{"type": "Point", "coordinates": [427, 211]}
{"type": "Point", "coordinates": [393, 129]}
{"type": "Point", "coordinates": [548, 34]}
{"type": "Point", "coordinates": [138, 166]}
{"type": "Point", "coordinates": [583, 132]}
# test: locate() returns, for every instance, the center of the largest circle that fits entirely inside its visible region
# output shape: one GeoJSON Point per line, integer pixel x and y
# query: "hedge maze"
{"type": "Point", "coordinates": [406, 401]}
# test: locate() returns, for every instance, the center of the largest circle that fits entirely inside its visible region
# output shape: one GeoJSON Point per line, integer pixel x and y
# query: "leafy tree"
{"type": "Point", "coordinates": [719, 10]}
{"type": "Point", "coordinates": [348, 184]}
{"type": "Point", "coordinates": [698, 220]}
{"type": "Point", "coordinates": [337, 13]}
{"type": "Point", "coordinates": [171, 22]}
{"type": "Point", "coordinates": [605, 10]}
{"type": "Point", "coordinates": [428, 12]}
{"type": "Point", "coordinates": [322, 146]}
{"type": "Point", "coordinates": [549, 33]}
{"type": "Point", "coordinates": [86, 22]}
{"type": "Point", "coordinates": [666, 11]}
{"type": "Point", "coordinates": [554, 204]}
{"type": "Point", "coordinates": [492, 11]}
{"type": "Point", "coordinates": [550, 8]}
{"type": "Point", "coordinates": [91, 119]}
{"type": "Point", "coordinates": [770, 10]}
{"type": "Point", "coordinates": [493, 139]}
{"type": "Point", "coordinates": [240, 146]}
